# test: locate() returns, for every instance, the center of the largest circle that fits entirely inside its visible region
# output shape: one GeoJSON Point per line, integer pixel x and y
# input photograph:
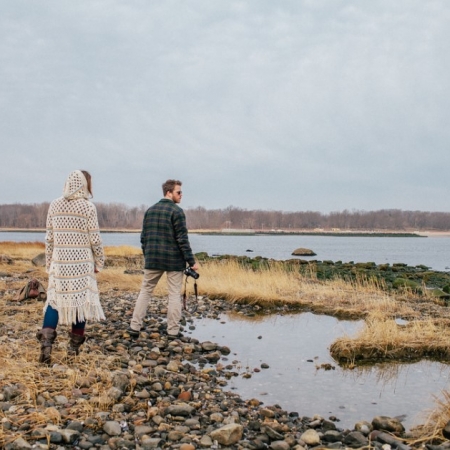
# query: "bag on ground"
{"type": "Point", "coordinates": [33, 289]}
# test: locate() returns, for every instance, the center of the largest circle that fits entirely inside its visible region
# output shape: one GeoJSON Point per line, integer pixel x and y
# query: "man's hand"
{"type": "Point", "coordinates": [195, 266]}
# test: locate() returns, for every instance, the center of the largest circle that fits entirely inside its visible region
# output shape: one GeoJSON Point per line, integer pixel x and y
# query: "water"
{"type": "Point", "coordinates": [295, 345]}
{"type": "Point", "coordinates": [433, 252]}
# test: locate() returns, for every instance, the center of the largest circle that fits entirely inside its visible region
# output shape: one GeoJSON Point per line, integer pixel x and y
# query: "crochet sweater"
{"type": "Point", "coordinates": [73, 251]}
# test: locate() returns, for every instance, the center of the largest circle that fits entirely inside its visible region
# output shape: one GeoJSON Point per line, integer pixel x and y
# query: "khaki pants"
{"type": "Point", "coordinates": [174, 284]}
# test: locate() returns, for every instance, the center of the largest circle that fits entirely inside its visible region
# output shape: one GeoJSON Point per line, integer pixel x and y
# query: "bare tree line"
{"type": "Point", "coordinates": [110, 215]}
{"type": "Point", "coordinates": [121, 216]}
{"type": "Point", "coordinates": [387, 219]}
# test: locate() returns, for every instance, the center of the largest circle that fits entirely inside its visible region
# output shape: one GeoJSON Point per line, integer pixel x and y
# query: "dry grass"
{"type": "Point", "coordinates": [115, 278]}
{"type": "Point", "coordinates": [19, 351]}
{"type": "Point", "coordinates": [382, 338]}
{"type": "Point", "coordinates": [30, 249]}
{"type": "Point", "coordinates": [122, 250]}
{"type": "Point", "coordinates": [21, 249]}
{"type": "Point", "coordinates": [229, 280]}
{"type": "Point", "coordinates": [437, 419]}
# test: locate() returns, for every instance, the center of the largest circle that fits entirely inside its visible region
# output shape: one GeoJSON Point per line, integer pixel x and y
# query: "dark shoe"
{"type": "Point", "coordinates": [46, 336]}
{"type": "Point", "coordinates": [75, 343]}
{"type": "Point", "coordinates": [171, 337]}
{"type": "Point", "coordinates": [133, 333]}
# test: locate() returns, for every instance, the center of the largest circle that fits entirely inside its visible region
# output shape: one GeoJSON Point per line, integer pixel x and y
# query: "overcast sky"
{"type": "Point", "coordinates": [278, 105]}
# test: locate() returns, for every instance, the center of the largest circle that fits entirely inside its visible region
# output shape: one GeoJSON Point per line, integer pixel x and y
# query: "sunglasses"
{"type": "Point", "coordinates": [178, 192]}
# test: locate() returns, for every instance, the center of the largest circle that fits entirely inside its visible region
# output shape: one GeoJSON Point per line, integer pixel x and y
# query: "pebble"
{"type": "Point", "coordinates": [112, 428]}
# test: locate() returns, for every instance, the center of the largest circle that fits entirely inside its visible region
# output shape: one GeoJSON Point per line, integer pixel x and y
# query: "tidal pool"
{"type": "Point", "coordinates": [295, 346]}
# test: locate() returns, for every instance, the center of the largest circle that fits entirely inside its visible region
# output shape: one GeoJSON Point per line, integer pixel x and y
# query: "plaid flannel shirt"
{"type": "Point", "coordinates": [164, 238]}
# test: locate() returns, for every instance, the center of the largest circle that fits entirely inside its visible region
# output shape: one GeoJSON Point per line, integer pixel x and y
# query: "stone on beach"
{"type": "Point", "coordinates": [310, 437]}
{"type": "Point", "coordinates": [39, 260]}
{"type": "Point", "coordinates": [112, 428]}
{"type": "Point", "coordinates": [228, 434]}
{"type": "Point", "coordinates": [386, 423]}
{"type": "Point", "coordinates": [303, 252]}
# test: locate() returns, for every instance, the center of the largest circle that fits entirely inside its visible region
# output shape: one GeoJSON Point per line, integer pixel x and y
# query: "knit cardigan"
{"type": "Point", "coordinates": [73, 251]}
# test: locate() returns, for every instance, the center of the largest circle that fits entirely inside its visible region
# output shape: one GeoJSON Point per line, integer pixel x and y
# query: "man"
{"type": "Point", "coordinates": [166, 248]}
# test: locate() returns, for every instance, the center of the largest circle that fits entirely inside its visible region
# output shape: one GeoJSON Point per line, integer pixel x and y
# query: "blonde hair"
{"type": "Point", "coordinates": [88, 177]}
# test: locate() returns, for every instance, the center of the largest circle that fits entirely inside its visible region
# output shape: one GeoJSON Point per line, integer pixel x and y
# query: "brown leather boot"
{"type": "Point", "coordinates": [74, 344]}
{"type": "Point", "coordinates": [46, 336]}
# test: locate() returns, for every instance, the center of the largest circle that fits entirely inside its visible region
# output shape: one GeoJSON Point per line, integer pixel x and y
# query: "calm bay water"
{"type": "Point", "coordinates": [433, 252]}
{"type": "Point", "coordinates": [296, 345]}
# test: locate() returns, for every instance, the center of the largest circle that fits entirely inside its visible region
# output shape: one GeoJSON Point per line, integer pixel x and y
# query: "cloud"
{"type": "Point", "coordinates": [295, 105]}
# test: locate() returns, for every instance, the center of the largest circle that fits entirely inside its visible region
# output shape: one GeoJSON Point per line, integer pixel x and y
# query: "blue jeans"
{"type": "Point", "coordinates": [51, 321]}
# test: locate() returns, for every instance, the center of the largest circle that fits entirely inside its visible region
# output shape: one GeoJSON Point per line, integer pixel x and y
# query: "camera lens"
{"type": "Point", "coordinates": [191, 273]}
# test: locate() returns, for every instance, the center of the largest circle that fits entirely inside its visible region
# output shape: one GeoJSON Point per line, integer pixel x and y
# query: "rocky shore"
{"type": "Point", "coordinates": [152, 392]}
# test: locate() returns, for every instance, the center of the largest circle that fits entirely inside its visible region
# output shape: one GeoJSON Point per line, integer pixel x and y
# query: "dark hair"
{"type": "Point", "coordinates": [88, 177]}
{"type": "Point", "coordinates": [169, 186]}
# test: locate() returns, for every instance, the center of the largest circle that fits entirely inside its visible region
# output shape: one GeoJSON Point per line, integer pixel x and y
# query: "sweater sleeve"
{"type": "Point", "coordinates": [95, 239]}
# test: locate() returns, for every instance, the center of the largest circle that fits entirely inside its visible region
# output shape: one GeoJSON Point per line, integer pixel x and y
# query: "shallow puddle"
{"type": "Point", "coordinates": [295, 347]}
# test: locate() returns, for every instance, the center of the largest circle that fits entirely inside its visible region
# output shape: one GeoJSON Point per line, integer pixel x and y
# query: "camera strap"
{"type": "Point", "coordinates": [184, 298]}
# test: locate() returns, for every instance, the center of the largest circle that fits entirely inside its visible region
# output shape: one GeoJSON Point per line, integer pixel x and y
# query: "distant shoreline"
{"type": "Point", "coordinates": [313, 233]}
{"type": "Point", "coordinates": [334, 233]}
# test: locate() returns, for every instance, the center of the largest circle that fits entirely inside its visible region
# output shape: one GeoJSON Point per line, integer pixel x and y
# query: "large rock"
{"type": "Point", "coordinates": [21, 444]}
{"type": "Point", "coordinates": [273, 435]}
{"type": "Point", "coordinates": [209, 346]}
{"type": "Point", "coordinates": [303, 252]}
{"type": "Point", "coordinates": [39, 260]}
{"type": "Point", "coordinates": [112, 428]}
{"type": "Point", "coordinates": [148, 443]}
{"type": "Point", "coordinates": [356, 439]}
{"type": "Point", "coordinates": [206, 441]}
{"type": "Point", "coordinates": [310, 437]}
{"type": "Point", "coordinates": [331, 436]}
{"type": "Point", "coordinates": [186, 446]}
{"type": "Point", "coordinates": [385, 423]}
{"type": "Point", "coordinates": [392, 441]}
{"type": "Point", "coordinates": [120, 380]}
{"type": "Point", "coordinates": [280, 445]}
{"type": "Point", "coordinates": [228, 434]}
{"type": "Point", "coordinates": [181, 409]}
{"type": "Point", "coordinates": [69, 436]}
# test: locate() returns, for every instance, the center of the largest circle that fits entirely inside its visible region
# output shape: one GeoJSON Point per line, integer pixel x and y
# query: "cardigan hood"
{"type": "Point", "coordinates": [76, 186]}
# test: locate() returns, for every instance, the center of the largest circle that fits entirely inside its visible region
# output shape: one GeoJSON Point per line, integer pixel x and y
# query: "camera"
{"type": "Point", "coordinates": [191, 273]}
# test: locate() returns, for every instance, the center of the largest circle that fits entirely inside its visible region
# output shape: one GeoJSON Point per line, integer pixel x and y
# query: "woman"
{"type": "Point", "coordinates": [74, 254]}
